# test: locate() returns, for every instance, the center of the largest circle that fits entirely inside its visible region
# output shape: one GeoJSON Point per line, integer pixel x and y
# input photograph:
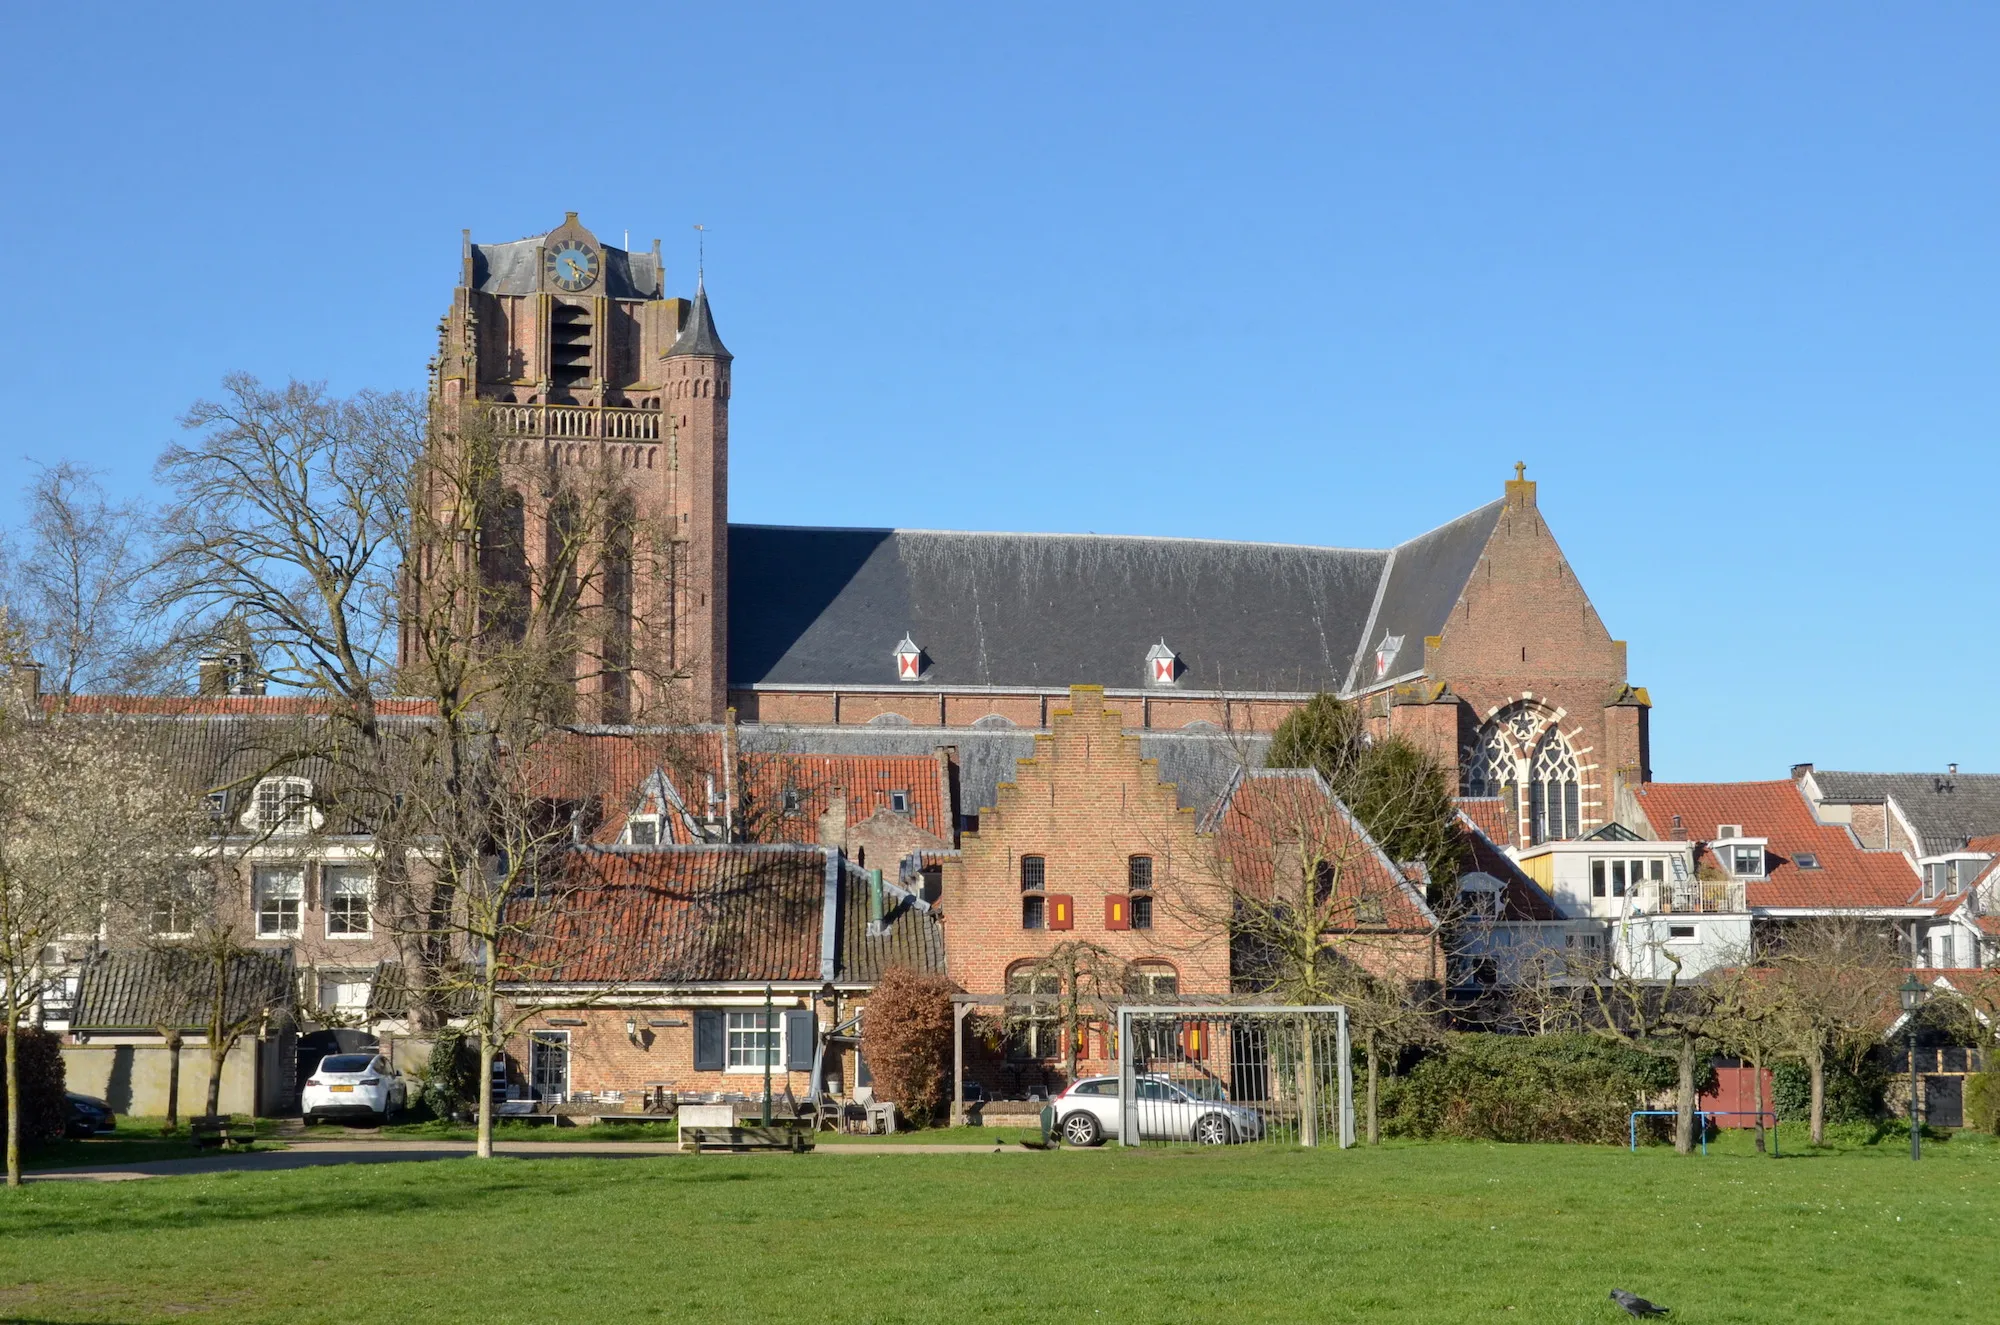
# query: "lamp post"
{"type": "Point", "coordinates": [771, 1046]}
{"type": "Point", "coordinates": [1913, 995]}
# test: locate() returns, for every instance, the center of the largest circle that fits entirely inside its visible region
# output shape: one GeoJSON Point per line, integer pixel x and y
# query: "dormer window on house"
{"type": "Point", "coordinates": [218, 805]}
{"type": "Point", "coordinates": [1745, 859]}
{"type": "Point", "coordinates": [642, 830]}
{"type": "Point", "coordinates": [1952, 876]}
{"type": "Point", "coordinates": [794, 799]}
{"type": "Point", "coordinates": [281, 805]}
{"type": "Point", "coordinates": [899, 801]}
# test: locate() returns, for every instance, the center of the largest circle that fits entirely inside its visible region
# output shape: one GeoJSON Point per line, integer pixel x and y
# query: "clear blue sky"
{"type": "Point", "coordinates": [1723, 275]}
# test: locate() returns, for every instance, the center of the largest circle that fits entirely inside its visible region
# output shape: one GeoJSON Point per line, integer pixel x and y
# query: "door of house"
{"type": "Point", "coordinates": [548, 1066]}
{"type": "Point", "coordinates": [1944, 1101]}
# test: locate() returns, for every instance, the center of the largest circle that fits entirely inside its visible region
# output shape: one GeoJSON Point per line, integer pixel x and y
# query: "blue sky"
{"type": "Point", "coordinates": [1724, 277]}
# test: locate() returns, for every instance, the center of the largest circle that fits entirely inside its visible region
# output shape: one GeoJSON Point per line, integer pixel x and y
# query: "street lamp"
{"type": "Point", "coordinates": [1913, 994]}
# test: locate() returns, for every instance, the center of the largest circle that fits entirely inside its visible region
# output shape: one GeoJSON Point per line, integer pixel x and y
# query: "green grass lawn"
{"type": "Point", "coordinates": [136, 1141]}
{"type": "Point", "coordinates": [1406, 1232]}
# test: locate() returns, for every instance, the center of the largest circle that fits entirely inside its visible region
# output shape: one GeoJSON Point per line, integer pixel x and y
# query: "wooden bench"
{"type": "Point", "coordinates": [209, 1131]}
{"type": "Point", "coordinates": [780, 1135]}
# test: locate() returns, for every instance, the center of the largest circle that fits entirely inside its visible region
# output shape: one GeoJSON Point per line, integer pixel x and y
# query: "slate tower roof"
{"type": "Point", "coordinates": [698, 338]}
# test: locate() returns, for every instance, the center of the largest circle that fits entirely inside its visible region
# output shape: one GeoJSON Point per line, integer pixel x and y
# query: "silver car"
{"type": "Point", "coordinates": [1087, 1114]}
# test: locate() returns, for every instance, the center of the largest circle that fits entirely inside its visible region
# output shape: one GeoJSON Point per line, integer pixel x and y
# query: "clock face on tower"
{"type": "Point", "coordinates": [572, 265]}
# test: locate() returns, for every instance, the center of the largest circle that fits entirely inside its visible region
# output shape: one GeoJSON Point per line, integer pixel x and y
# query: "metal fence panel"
{"type": "Point", "coordinates": [1234, 1075]}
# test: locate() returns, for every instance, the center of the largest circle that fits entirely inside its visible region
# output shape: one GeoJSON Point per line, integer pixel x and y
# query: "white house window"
{"type": "Point", "coordinates": [1680, 933]}
{"type": "Point", "coordinates": [643, 831]}
{"type": "Point", "coordinates": [753, 1041]}
{"type": "Point", "coordinates": [278, 894]}
{"type": "Point", "coordinates": [1942, 949]}
{"type": "Point", "coordinates": [899, 801]}
{"type": "Point", "coordinates": [282, 805]}
{"type": "Point", "coordinates": [344, 992]}
{"type": "Point", "coordinates": [59, 998]}
{"type": "Point", "coordinates": [350, 896]}
{"type": "Point", "coordinates": [1746, 862]}
{"type": "Point", "coordinates": [1152, 981]}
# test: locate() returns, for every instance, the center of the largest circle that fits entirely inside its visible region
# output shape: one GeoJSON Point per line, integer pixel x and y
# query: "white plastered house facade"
{"type": "Point", "coordinates": [1644, 903]}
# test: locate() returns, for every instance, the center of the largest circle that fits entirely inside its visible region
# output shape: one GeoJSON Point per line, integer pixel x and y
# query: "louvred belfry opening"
{"type": "Point", "coordinates": [909, 660]}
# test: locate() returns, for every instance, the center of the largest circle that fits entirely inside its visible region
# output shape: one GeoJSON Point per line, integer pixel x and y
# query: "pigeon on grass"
{"type": "Point", "coordinates": [1635, 1305]}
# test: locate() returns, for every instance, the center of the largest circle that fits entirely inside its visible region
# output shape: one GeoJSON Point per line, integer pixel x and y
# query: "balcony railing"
{"type": "Point", "coordinates": [578, 422]}
{"type": "Point", "coordinates": [1699, 897]}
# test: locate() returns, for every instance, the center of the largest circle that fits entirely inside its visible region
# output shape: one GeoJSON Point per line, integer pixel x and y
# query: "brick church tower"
{"type": "Point", "coordinates": [589, 373]}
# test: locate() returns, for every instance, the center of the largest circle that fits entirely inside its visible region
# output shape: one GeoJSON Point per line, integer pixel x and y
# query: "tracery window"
{"type": "Point", "coordinates": [1554, 807]}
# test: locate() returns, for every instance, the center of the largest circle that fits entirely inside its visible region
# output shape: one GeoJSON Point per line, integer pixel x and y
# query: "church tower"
{"type": "Point", "coordinates": [592, 378]}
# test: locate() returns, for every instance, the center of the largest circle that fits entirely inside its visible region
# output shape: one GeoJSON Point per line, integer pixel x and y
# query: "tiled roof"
{"type": "Point", "coordinates": [144, 989]}
{"type": "Point", "coordinates": [819, 606]}
{"type": "Point", "coordinates": [240, 706]}
{"type": "Point", "coordinates": [865, 782]}
{"type": "Point", "coordinates": [716, 914]}
{"type": "Point", "coordinates": [1268, 812]}
{"type": "Point", "coordinates": [1943, 808]}
{"type": "Point", "coordinates": [1524, 899]}
{"type": "Point", "coordinates": [1848, 876]}
{"type": "Point", "coordinates": [1489, 815]}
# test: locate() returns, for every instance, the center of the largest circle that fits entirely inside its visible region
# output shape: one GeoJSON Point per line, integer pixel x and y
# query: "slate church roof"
{"type": "Point", "coordinates": [815, 606]}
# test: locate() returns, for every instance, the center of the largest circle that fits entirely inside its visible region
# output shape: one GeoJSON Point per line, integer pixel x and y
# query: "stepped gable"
{"type": "Point", "coordinates": [1199, 762]}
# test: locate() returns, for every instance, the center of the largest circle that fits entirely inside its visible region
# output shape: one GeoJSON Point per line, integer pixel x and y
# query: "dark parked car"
{"type": "Point", "coordinates": [88, 1115]}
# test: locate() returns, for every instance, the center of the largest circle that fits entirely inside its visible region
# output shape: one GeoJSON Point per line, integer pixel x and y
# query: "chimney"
{"type": "Point", "coordinates": [1679, 832]}
{"type": "Point", "coordinates": [214, 674]}
{"type": "Point", "coordinates": [874, 901]}
{"type": "Point", "coordinates": [1799, 771]}
{"type": "Point", "coordinates": [24, 684]}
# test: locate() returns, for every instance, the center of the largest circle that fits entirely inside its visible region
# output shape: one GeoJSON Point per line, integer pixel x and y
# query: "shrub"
{"type": "Point", "coordinates": [1526, 1088]}
{"type": "Point", "coordinates": [453, 1080]}
{"type": "Point", "coordinates": [906, 1034]}
{"type": "Point", "coordinates": [1982, 1101]}
{"type": "Point", "coordinates": [44, 1111]}
{"type": "Point", "coordinates": [1853, 1091]}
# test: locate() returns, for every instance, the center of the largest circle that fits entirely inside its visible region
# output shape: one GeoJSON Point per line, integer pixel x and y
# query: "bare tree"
{"type": "Point", "coordinates": [1073, 986]}
{"type": "Point", "coordinates": [85, 821]}
{"type": "Point", "coordinates": [289, 517]}
{"type": "Point", "coordinates": [76, 586]}
{"type": "Point", "coordinates": [1832, 979]}
{"type": "Point", "coordinates": [1669, 1018]}
{"type": "Point", "coordinates": [1747, 1020]}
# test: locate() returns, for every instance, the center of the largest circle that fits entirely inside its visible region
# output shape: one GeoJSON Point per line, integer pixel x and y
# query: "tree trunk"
{"type": "Point", "coordinates": [1757, 1096]}
{"type": "Point", "coordinates": [13, 1099]}
{"type": "Point", "coordinates": [1817, 1065]}
{"type": "Point", "coordinates": [1684, 1099]}
{"type": "Point", "coordinates": [173, 1083]}
{"type": "Point", "coordinates": [1374, 1075]}
{"type": "Point", "coordinates": [485, 1093]}
{"type": "Point", "coordinates": [216, 1054]}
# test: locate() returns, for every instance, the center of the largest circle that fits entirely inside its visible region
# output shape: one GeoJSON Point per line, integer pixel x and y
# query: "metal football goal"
{"type": "Point", "coordinates": [1234, 1075]}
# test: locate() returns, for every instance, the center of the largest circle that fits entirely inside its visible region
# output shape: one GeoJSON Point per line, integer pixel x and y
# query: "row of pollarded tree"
{"type": "Point", "coordinates": [372, 558]}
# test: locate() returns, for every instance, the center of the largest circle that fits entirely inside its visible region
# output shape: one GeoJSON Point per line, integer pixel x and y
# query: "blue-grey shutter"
{"type": "Point", "coordinates": [801, 1028]}
{"type": "Point", "coordinates": [708, 1042]}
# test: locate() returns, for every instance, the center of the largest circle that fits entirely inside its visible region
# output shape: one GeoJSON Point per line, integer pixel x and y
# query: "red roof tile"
{"type": "Point", "coordinates": [1489, 815]}
{"type": "Point", "coordinates": [256, 706]}
{"type": "Point", "coordinates": [1848, 876]}
{"type": "Point", "coordinates": [1267, 812]}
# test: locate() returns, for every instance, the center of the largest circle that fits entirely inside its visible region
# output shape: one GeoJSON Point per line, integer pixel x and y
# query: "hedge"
{"type": "Point", "coordinates": [1853, 1092]}
{"type": "Point", "coordinates": [1982, 1101]}
{"type": "Point", "coordinates": [44, 1111]}
{"type": "Point", "coordinates": [1528, 1088]}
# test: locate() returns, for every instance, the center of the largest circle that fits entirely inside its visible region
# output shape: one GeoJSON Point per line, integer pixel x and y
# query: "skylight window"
{"type": "Point", "coordinates": [1806, 860]}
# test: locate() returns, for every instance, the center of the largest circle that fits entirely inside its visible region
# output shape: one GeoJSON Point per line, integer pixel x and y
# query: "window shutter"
{"type": "Point", "coordinates": [708, 1041]}
{"type": "Point", "coordinates": [801, 1031]}
{"type": "Point", "coordinates": [1062, 911]}
{"type": "Point", "coordinates": [1117, 912]}
{"type": "Point", "coordinates": [1194, 1040]}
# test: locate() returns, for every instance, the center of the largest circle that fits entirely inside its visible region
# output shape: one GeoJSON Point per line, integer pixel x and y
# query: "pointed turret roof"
{"type": "Point", "coordinates": [698, 338]}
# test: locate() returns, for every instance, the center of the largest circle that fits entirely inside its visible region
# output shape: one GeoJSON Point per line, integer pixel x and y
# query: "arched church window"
{"type": "Point", "coordinates": [1488, 769]}
{"type": "Point", "coordinates": [1552, 787]}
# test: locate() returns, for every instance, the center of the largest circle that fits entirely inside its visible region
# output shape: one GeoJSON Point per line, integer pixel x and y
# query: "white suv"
{"type": "Point", "coordinates": [353, 1086]}
{"type": "Point", "coordinates": [1087, 1113]}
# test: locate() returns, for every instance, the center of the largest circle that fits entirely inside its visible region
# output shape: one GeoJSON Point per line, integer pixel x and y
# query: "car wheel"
{"type": "Point", "coordinates": [1081, 1129]}
{"type": "Point", "coordinates": [1212, 1129]}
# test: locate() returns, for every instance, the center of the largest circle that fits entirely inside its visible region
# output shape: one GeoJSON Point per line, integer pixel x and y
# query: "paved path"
{"type": "Point", "coordinates": [313, 1154]}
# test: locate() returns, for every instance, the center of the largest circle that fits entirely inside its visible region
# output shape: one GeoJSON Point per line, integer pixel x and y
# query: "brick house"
{"type": "Point", "coordinates": [658, 974]}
